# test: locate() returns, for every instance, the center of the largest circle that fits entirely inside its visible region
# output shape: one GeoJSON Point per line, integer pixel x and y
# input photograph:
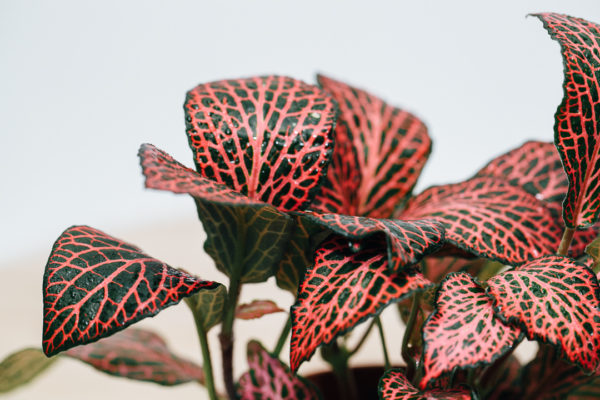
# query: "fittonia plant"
{"type": "Point", "coordinates": [313, 185]}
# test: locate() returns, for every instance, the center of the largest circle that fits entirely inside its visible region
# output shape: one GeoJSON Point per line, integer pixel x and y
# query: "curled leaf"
{"type": "Point", "coordinates": [577, 120]}
{"type": "Point", "coordinates": [96, 285]}
{"type": "Point", "coordinates": [394, 386]}
{"type": "Point", "coordinates": [379, 153]}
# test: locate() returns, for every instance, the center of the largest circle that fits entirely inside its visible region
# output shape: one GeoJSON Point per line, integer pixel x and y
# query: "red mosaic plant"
{"type": "Point", "coordinates": [312, 185]}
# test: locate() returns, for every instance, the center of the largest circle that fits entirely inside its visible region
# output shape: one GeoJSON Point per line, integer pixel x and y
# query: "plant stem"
{"type": "Point", "coordinates": [363, 338]}
{"type": "Point", "coordinates": [338, 359]}
{"type": "Point", "coordinates": [209, 381]}
{"type": "Point", "coordinates": [565, 242]}
{"type": "Point", "coordinates": [226, 337]}
{"type": "Point", "coordinates": [386, 357]}
{"type": "Point", "coordinates": [410, 326]}
{"type": "Point", "coordinates": [283, 336]}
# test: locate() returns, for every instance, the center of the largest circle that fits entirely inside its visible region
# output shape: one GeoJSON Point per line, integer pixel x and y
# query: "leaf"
{"type": "Point", "coordinates": [536, 167]}
{"type": "Point", "coordinates": [436, 268]}
{"type": "Point", "coordinates": [269, 138]}
{"type": "Point", "coordinates": [379, 154]}
{"type": "Point", "coordinates": [270, 379]}
{"type": "Point", "coordinates": [590, 390]}
{"type": "Point", "coordinates": [207, 306]}
{"type": "Point", "coordinates": [593, 250]}
{"type": "Point", "coordinates": [342, 289]}
{"type": "Point", "coordinates": [96, 285]}
{"type": "Point", "coordinates": [556, 300]}
{"type": "Point", "coordinates": [256, 309]}
{"type": "Point", "coordinates": [162, 172]}
{"type": "Point", "coordinates": [298, 254]}
{"type": "Point", "coordinates": [21, 367]}
{"type": "Point", "coordinates": [407, 241]}
{"type": "Point", "coordinates": [577, 125]}
{"type": "Point", "coordinates": [245, 242]}
{"type": "Point", "coordinates": [394, 386]}
{"type": "Point", "coordinates": [548, 377]}
{"type": "Point", "coordinates": [140, 355]}
{"type": "Point", "coordinates": [489, 218]}
{"type": "Point", "coordinates": [463, 332]}
{"type": "Point", "coordinates": [503, 385]}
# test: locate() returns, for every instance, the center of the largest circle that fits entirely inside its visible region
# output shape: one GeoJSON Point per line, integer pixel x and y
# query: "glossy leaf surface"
{"type": "Point", "coordinates": [554, 299]}
{"type": "Point", "coordinates": [577, 119]}
{"type": "Point", "coordinates": [96, 285]}
{"type": "Point", "coordinates": [162, 172]}
{"type": "Point", "coordinates": [407, 241]}
{"type": "Point", "coordinates": [21, 367]}
{"type": "Point", "coordinates": [489, 218]}
{"type": "Point", "coordinates": [463, 331]}
{"type": "Point", "coordinates": [207, 306]}
{"type": "Point", "coordinates": [256, 309]}
{"type": "Point", "coordinates": [140, 355]}
{"type": "Point", "coordinates": [270, 379]}
{"type": "Point", "coordinates": [246, 242]}
{"type": "Point", "coordinates": [269, 138]}
{"type": "Point", "coordinates": [394, 386]}
{"type": "Point", "coordinates": [379, 154]}
{"type": "Point", "coordinates": [342, 289]}
{"type": "Point", "coordinates": [536, 167]}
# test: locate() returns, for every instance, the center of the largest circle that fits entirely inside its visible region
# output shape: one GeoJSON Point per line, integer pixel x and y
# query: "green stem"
{"type": "Point", "coordinates": [363, 338]}
{"type": "Point", "coordinates": [209, 380]}
{"type": "Point", "coordinates": [410, 326]}
{"type": "Point", "coordinates": [565, 242]}
{"type": "Point", "coordinates": [226, 337]}
{"type": "Point", "coordinates": [283, 336]}
{"type": "Point", "coordinates": [386, 357]}
{"type": "Point", "coordinates": [338, 359]}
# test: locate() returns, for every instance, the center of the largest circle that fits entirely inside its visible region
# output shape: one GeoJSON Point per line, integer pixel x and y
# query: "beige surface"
{"type": "Point", "coordinates": [179, 243]}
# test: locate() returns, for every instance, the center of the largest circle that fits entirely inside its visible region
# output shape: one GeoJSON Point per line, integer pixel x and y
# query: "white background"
{"type": "Point", "coordinates": [83, 84]}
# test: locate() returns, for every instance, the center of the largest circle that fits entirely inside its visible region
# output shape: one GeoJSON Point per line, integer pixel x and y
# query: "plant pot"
{"type": "Point", "coordinates": [366, 378]}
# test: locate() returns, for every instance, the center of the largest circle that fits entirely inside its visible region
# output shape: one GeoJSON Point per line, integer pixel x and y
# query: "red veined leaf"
{"type": "Point", "coordinates": [256, 309]}
{"type": "Point", "coordinates": [548, 377]}
{"type": "Point", "coordinates": [490, 218]}
{"type": "Point", "coordinates": [269, 138]}
{"type": "Point", "coordinates": [587, 391]}
{"type": "Point", "coordinates": [536, 167]}
{"type": "Point", "coordinates": [394, 386]}
{"type": "Point", "coordinates": [577, 124]}
{"type": "Point", "coordinates": [96, 285]}
{"type": "Point", "coordinates": [436, 268]}
{"type": "Point", "coordinates": [164, 173]}
{"type": "Point", "coordinates": [379, 154]}
{"type": "Point", "coordinates": [138, 354]}
{"type": "Point", "coordinates": [463, 332]}
{"type": "Point", "coordinates": [407, 241]}
{"type": "Point", "coordinates": [554, 299]}
{"type": "Point", "coordinates": [342, 289]}
{"type": "Point", "coordinates": [270, 379]}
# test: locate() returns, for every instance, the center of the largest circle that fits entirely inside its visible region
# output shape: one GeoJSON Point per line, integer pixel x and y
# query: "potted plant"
{"type": "Point", "coordinates": [313, 185]}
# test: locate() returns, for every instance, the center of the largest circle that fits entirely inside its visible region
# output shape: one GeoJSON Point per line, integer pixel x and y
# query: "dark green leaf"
{"type": "Point", "coordinates": [208, 305]}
